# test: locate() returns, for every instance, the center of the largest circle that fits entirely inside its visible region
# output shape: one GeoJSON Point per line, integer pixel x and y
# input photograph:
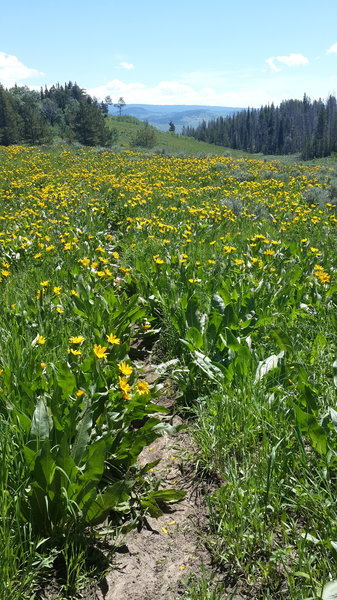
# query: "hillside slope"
{"type": "Point", "coordinates": [180, 115]}
{"type": "Point", "coordinates": [126, 128]}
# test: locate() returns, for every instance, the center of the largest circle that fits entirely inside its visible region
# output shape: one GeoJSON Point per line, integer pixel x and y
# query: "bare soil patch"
{"type": "Point", "coordinates": [159, 557]}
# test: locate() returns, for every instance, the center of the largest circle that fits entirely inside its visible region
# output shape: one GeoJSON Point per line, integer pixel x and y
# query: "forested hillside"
{"type": "Point", "coordinates": [305, 126]}
{"type": "Point", "coordinates": [28, 116]}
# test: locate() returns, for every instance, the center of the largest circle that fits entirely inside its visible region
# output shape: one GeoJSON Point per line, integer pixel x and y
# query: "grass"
{"type": "Point", "coordinates": [166, 142]}
{"type": "Point", "coordinates": [225, 265]}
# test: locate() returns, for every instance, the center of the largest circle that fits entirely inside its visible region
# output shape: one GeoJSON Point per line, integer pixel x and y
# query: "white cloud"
{"type": "Point", "coordinates": [270, 62]}
{"type": "Point", "coordinates": [291, 60]}
{"type": "Point", "coordinates": [175, 92]}
{"type": "Point", "coordinates": [126, 65]}
{"type": "Point", "coordinates": [12, 70]}
{"type": "Point", "coordinates": [332, 49]}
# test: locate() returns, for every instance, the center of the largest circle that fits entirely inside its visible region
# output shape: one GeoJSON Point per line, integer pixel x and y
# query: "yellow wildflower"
{"type": "Point", "coordinates": [84, 261]}
{"type": "Point", "coordinates": [142, 388]}
{"type": "Point", "coordinates": [125, 369]}
{"type": "Point", "coordinates": [157, 260]}
{"type": "Point", "coordinates": [76, 339]}
{"type": "Point", "coordinates": [125, 388]}
{"type": "Point", "coordinates": [112, 339]}
{"type": "Point", "coordinates": [100, 351]}
{"type": "Point", "coordinates": [74, 352]}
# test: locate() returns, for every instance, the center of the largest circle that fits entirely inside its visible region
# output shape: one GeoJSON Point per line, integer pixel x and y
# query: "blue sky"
{"type": "Point", "coordinates": [219, 52]}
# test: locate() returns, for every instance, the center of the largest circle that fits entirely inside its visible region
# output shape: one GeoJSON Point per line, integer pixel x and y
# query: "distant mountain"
{"type": "Point", "coordinates": [180, 115]}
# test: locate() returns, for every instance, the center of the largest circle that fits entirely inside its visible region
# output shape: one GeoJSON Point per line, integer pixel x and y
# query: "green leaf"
{"type": "Point", "coordinates": [330, 591]}
{"type": "Point", "coordinates": [95, 460]}
{"type": "Point", "coordinates": [193, 335]}
{"type": "Point", "coordinates": [40, 425]}
{"type": "Point", "coordinates": [82, 436]}
{"type": "Point", "coordinates": [30, 456]}
{"type": "Point", "coordinates": [44, 467]}
{"type": "Point", "coordinates": [167, 495]}
{"type": "Point", "coordinates": [267, 365]}
{"type": "Point", "coordinates": [218, 304]}
{"type": "Point", "coordinates": [205, 364]}
{"type": "Point", "coordinates": [114, 498]}
{"type": "Point", "coordinates": [333, 415]}
{"type": "Point", "coordinates": [232, 341]}
{"type": "Point", "coordinates": [282, 339]}
{"type": "Point", "coordinates": [310, 395]}
{"type": "Point", "coordinates": [66, 380]}
{"type": "Point", "coordinates": [230, 318]}
{"type": "Point", "coordinates": [334, 366]}
{"type": "Point", "coordinates": [192, 314]}
{"type": "Point", "coordinates": [319, 345]}
{"type": "Point", "coordinates": [301, 574]}
{"type": "Point", "coordinates": [151, 508]}
{"type": "Point", "coordinates": [148, 467]}
{"type": "Point", "coordinates": [309, 424]}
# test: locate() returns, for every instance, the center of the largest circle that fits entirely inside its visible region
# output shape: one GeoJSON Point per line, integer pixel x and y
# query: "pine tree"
{"type": "Point", "coordinates": [9, 119]}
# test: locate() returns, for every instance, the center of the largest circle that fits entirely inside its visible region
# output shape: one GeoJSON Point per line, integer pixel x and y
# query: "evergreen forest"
{"type": "Point", "coordinates": [62, 111]}
{"type": "Point", "coordinates": [296, 126]}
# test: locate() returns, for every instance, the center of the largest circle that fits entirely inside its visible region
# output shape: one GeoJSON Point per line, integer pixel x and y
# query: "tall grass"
{"type": "Point", "coordinates": [225, 268]}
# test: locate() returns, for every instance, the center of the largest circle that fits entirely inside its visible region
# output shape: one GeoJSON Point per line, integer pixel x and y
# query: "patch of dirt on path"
{"type": "Point", "coordinates": [157, 560]}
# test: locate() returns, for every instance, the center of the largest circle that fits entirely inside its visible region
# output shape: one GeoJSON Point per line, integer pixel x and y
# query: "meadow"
{"type": "Point", "coordinates": [224, 267]}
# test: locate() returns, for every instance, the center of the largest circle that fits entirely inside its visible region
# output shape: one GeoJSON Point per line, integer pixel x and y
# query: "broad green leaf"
{"type": "Point", "coordinates": [218, 304]}
{"type": "Point", "coordinates": [151, 508]}
{"type": "Point", "coordinates": [114, 498]}
{"type": "Point", "coordinates": [40, 425]}
{"type": "Point", "coordinates": [205, 364]}
{"type": "Point", "coordinates": [267, 365]}
{"type": "Point", "coordinates": [333, 415]}
{"type": "Point", "coordinates": [330, 591]}
{"type": "Point", "coordinates": [30, 456]}
{"type": "Point", "coordinates": [193, 335]}
{"type": "Point", "coordinates": [82, 436]}
{"type": "Point", "coordinates": [309, 424]}
{"type": "Point", "coordinates": [230, 318]}
{"type": "Point", "coordinates": [167, 495]}
{"type": "Point", "coordinates": [309, 394]}
{"type": "Point", "coordinates": [66, 380]}
{"type": "Point", "coordinates": [232, 341]}
{"type": "Point", "coordinates": [192, 313]}
{"type": "Point", "coordinates": [44, 467]}
{"type": "Point", "coordinates": [95, 460]}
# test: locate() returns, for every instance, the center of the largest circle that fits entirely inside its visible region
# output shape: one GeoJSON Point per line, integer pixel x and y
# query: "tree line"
{"type": "Point", "coordinates": [64, 111]}
{"type": "Point", "coordinates": [304, 126]}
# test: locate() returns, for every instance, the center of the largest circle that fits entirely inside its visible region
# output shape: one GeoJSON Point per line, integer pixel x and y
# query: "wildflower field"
{"type": "Point", "coordinates": [225, 268]}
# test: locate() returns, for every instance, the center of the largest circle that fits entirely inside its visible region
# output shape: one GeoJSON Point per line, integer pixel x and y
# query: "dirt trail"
{"type": "Point", "coordinates": [156, 561]}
